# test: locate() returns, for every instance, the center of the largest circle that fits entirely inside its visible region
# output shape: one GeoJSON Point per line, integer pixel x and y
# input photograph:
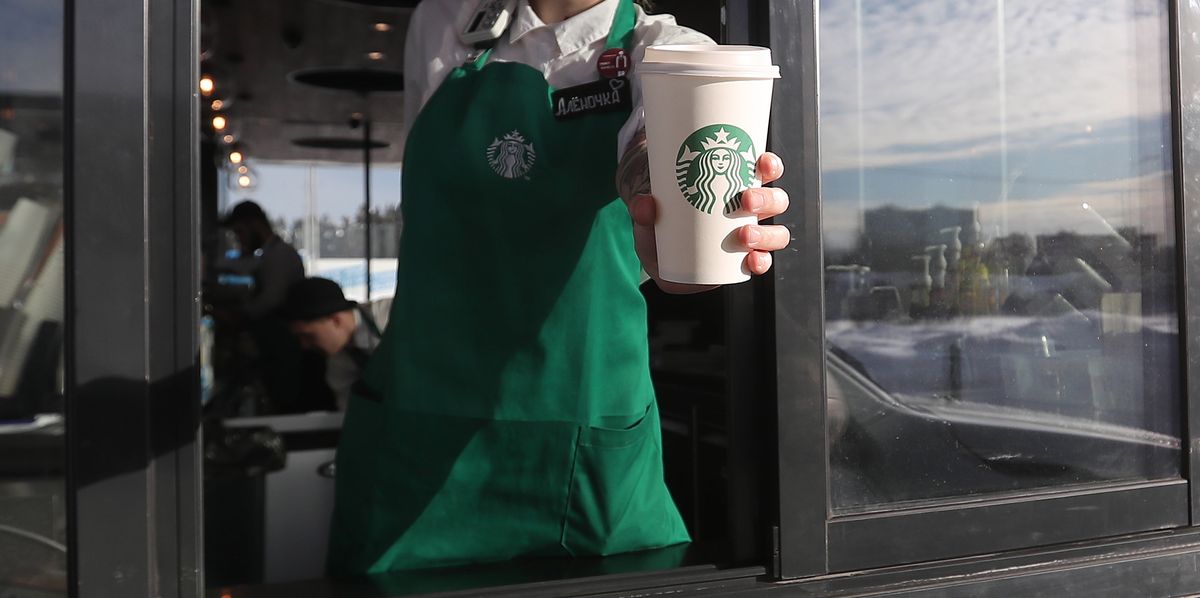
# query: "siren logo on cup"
{"type": "Point", "coordinates": [511, 156]}
{"type": "Point", "coordinates": [715, 164]}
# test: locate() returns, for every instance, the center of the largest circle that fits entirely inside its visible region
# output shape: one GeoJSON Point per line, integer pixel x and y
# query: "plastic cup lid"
{"type": "Point", "coordinates": [710, 70]}
{"type": "Point", "coordinates": [709, 54]}
{"type": "Point", "coordinates": [740, 62]}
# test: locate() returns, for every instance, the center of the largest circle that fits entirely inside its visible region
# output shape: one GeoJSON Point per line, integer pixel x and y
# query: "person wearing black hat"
{"type": "Point", "coordinates": [324, 320]}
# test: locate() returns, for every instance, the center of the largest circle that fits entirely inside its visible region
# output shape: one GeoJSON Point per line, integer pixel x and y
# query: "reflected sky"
{"type": "Point", "coordinates": [31, 53]}
{"type": "Point", "coordinates": [998, 225]}
{"type": "Point", "coordinates": [969, 103]}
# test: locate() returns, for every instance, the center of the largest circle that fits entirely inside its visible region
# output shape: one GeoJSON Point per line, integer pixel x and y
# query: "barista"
{"type": "Point", "coordinates": [276, 266]}
{"type": "Point", "coordinates": [324, 320]}
{"type": "Point", "coordinates": [517, 415]}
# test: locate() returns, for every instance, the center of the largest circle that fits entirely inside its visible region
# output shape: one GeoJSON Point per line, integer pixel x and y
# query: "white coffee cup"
{"type": "Point", "coordinates": [707, 111]}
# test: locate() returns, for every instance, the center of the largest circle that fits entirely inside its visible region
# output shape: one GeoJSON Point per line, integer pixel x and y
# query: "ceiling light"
{"type": "Point", "coordinates": [235, 157]}
{"type": "Point", "coordinates": [217, 104]}
{"type": "Point", "coordinates": [375, 55]}
{"type": "Point", "coordinates": [245, 181]}
{"type": "Point", "coordinates": [228, 138]}
{"type": "Point", "coordinates": [206, 85]}
{"type": "Point", "coordinates": [219, 123]}
{"type": "Point", "coordinates": [243, 169]}
{"type": "Point", "coordinates": [382, 27]}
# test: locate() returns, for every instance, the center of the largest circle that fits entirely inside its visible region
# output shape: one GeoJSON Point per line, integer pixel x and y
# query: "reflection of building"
{"type": "Point", "coordinates": [891, 235]}
{"type": "Point", "coordinates": [938, 254]}
{"type": "Point", "coordinates": [30, 130]}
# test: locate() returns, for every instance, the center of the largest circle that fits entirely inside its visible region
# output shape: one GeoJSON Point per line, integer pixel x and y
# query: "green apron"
{"type": "Point", "coordinates": [517, 416]}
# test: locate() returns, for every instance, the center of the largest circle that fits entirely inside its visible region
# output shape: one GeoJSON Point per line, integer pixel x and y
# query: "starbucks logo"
{"type": "Point", "coordinates": [715, 164]}
{"type": "Point", "coordinates": [510, 156]}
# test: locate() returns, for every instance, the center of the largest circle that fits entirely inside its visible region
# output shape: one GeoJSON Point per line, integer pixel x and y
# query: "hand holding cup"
{"type": "Point", "coordinates": [757, 240]}
{"type": "Point", "coordinates": [707, 109]}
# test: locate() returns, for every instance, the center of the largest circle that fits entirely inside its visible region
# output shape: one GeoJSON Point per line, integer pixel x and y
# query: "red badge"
{"type": "Point", "coordinates": [613, 63]}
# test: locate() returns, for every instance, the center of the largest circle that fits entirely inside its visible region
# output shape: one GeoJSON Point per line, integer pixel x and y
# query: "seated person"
{"type": "Point", "coordinates": [324, 320]}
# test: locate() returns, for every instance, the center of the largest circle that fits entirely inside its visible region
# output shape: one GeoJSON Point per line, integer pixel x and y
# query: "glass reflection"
{"type": "Point", "coordinates": [999, 242]}
{"type": "Point", "coordinates": [32, 498]}
{"type": "Point", "coordinates": [318, 209]}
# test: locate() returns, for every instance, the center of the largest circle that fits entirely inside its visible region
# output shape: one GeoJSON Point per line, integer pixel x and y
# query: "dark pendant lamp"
{"type": "Point", "coordinates": [363, 82]}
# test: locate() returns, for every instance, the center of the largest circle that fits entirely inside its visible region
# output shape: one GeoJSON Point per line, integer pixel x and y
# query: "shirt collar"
{"type": "Point", "coordinates": [572, 34]}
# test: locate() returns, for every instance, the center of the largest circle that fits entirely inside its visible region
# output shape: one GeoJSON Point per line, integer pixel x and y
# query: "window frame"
{"type": "Point", "coordinates": [132, 192]}
{"type": "Point", "coordinates": [132, 295]}
{"type": "Point", "coordinates": [814, 541]}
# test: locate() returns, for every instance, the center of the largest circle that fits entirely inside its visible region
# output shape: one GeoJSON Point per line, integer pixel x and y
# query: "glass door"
{"type": "Point", "coordinates": [33, 513]}
{"type": "Point", "coordinates": [999, 277]}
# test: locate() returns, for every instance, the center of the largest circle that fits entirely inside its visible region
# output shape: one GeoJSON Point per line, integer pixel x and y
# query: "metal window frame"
{"type": "Point", "coordinates": [132, 288]}
{"type": "Point", "coordinates": [1185, 127]}
{"type": "Point", "coordinates": [813, 541]}
{"type": "Point", "coordinates": [131, 224]}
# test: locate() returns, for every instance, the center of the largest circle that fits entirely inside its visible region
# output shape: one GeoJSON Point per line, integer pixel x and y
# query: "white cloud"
{"type": "Point", "coordinates": [1074, 96]}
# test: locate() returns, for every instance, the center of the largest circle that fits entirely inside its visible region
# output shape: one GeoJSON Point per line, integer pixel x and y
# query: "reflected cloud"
{"type": "Point", "coordinates": [997, 218]}
{"type": "Point", "coordinates": [935, 74]}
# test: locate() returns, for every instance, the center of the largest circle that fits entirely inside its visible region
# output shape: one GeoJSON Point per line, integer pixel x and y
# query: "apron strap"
{"type": "Point", "coordinates": [620, 34]}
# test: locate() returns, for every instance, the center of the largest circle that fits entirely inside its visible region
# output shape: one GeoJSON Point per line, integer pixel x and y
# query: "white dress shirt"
{"type": "Point", "coordinates": [565, 52]}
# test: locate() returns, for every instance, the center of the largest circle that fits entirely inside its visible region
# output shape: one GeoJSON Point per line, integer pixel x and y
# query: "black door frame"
{"type": "Point", "coordinates": [131, 217]}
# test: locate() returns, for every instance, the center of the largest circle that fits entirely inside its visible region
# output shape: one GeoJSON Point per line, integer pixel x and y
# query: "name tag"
{"type": "Point", "coordinates": [606, 95]}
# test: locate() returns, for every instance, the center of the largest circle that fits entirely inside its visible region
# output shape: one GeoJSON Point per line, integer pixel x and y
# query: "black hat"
{"type": "Point", "coordinates": [246, 211]}
{"type": "Point", "coordinates": [313, 299]}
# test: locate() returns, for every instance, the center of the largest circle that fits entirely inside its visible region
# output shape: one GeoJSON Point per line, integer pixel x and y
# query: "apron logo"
{"type": "Point", "coordinates": [715, 164]}
{"type": "Point", "coordinates": [511, 156]}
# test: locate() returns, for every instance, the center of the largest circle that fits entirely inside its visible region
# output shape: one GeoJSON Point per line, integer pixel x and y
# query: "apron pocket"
{"type": "Point", "coordinates": [618, 501]}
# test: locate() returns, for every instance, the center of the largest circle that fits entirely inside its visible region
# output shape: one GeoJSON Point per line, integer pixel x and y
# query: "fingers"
{"type": "Point", "coordinates": [643, 210]}
{"type": "Point", "coordinates": [766, 202]}
{"type": "Point", "coordinates": [760, 239]}
{"type": "Point", "coordinates": [758, 262]}
{"type": "Point", "coordinates": [770, 167]}
{"type": "Point", "coordinates": [765, 238]}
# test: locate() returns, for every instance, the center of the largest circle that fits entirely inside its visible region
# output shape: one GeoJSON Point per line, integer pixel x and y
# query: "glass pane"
{"type": "Point", "coordinates": [340, 215]}
{"type": "Point", "coordinates": [32, 498]}
{"type": "Point", "coordinates": [318, 209]}
{"type": "Point", "coordinates": [999, 247]}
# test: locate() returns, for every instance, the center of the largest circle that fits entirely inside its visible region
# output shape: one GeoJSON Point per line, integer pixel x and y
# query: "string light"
{"type": "Point", "coordinates": [243, 169]}
{"type": "Point", "coordinates": [217, 104]}
{"type": "Point", "coordinates": [219, 123]}
{"type": "Point", "coordinates": [228, 138]}
{"type": "Point", "coordinates": [206, 85]}
{"type": "Point", "coordinates": [235, 157]}
{"type": "Point", "coordinates": [244, 181]}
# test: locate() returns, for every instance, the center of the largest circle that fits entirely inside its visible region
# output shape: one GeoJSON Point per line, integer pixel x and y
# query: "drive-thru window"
{"type": "Point", "coordinates": [971, 372]}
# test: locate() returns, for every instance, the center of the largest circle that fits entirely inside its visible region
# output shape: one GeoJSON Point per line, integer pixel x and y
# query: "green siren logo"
{"type": "Point", "coordinates": [511, 156]}
{"type": "Point", "coordinates": [716, 164]}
